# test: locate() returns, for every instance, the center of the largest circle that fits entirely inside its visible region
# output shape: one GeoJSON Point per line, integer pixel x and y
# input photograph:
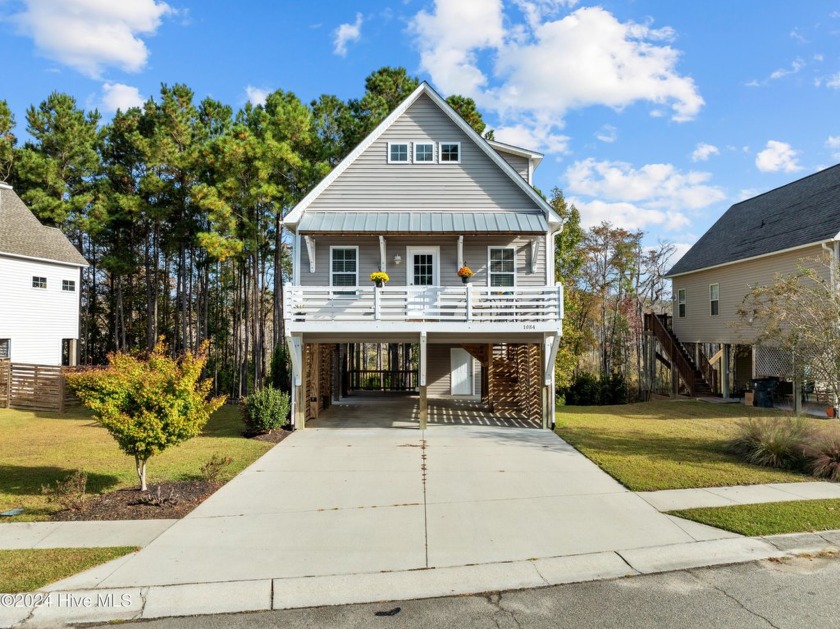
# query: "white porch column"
{"type": "Point", "coordinates": [424, 408]}
{"type": "Point", "coordinates": [296, 356]}
{"type": "Point", "coordinates": [460, 251]}
{"type": "Point", "coordinates": [383, 254]}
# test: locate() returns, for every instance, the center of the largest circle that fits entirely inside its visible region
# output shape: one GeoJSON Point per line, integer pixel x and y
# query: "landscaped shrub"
{"type": "Point", "coordinates": [587, 390]}
{"type": "Point", "coordinates": [213, 467]}
{"type": "Point", "coordinates": [773, 442]}
{"type": "Point", "coordinates": [265, 410]}
{"type": "Point", "coordinates": [70, 493]}
{"type": "Point", "coordinates": [824, 455]}
{"type": "Point", "coordinates": [614, 389]}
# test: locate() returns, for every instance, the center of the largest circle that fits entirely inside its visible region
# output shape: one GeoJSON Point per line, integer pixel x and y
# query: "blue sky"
{"type": "Point", "coordinates": [653, 114]}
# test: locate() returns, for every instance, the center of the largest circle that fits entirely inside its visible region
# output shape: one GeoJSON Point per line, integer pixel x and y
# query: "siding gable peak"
{"type": "Point", "coordinates": [474, 142]}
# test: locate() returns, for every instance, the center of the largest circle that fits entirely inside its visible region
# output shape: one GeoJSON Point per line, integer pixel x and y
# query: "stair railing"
{"type": "Point", "coordinates": [670, 344]}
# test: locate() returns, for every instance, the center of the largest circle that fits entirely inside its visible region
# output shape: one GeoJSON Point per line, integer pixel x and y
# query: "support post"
{"type": "Point", "coordinates": [490, 378]}
{"type": "Point", "coordinates": [302, 398]}
{"type": "Point", "coordinates": [675, 377]}
{"type": "Point", "coordinates": [424, 405]}
{"type": "Point", "coordinates": [460, 251]}
{"type": "Point", "coordinates": [724, 371]}
{"type": "Point", "coordinates": [383, 253]}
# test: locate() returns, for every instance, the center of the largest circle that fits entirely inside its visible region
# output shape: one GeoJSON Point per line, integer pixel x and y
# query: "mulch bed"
{"type": "Point", "coordinates": [163, 501]}
{"type": "Point", "coordinates": [275, 436]}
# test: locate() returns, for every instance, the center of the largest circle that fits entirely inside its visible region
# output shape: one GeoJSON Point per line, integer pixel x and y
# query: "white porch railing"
{"type": "Point", "coordinates": [468, 303]}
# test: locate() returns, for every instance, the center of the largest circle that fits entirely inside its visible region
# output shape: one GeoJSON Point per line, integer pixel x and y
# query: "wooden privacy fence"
{"type": "Point", "coordinates": [34, 387]}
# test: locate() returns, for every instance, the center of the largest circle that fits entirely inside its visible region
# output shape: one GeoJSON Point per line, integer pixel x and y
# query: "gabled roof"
{"type": "Point", "coordinates": [804, 212]}
{"type": "Point", "coordinates": [293, 218]}
{"type": "Point", "coordinates": [534, 156]}
{"type": "Point", "coordinates": [22, 235]}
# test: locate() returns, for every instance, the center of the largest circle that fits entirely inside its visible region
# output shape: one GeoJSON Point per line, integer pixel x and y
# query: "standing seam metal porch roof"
{"type": "Point", "coordinates": [422, 222]}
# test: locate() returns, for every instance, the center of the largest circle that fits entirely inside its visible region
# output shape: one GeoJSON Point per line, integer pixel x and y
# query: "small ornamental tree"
{"type": "Point", "coordinates": [148, 404]}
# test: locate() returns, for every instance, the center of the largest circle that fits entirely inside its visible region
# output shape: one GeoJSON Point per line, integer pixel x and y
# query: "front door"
{"type": "Point", "coordinates": [423, 266]}
{"type": "Point", "coordinates": [423, 274]}
{"type": "Point", "coordinates": [462, 372]}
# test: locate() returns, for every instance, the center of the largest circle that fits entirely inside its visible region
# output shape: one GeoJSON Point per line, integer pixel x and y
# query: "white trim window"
{"type": "Point", "coordinates": [714, 299]}
{"type": "Point", "coordinates": [5, 348]}
{"type": "Point", "coordinates": [424, 152]}
{"type": "Point", "coordinates": [398, 153]}
{"type": "Point", "coordinates": [450, 152]}
{"type": "Point", "coordinates": [39, 282]}
{"type": "Point", "coordinates": [68, 286]}
{"type": "Point", "coordinates": [501, 266]}
{"type": "Point", "coordinates": [681, 303]}
{"type": "Point", "coordinates": [344, 266]}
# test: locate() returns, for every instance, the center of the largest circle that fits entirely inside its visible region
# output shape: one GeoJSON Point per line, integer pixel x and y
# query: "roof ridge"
{"type": "Point", "coordinates": [785, 185]}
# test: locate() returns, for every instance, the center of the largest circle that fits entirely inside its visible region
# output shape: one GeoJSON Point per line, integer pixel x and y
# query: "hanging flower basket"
{"type": "Point", "coordinates": [465, 273]}
{"type": "Point", "coordinates": [379, 278]}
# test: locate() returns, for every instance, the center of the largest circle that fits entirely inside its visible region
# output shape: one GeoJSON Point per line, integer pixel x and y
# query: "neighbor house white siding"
{"type": "Point", "coordinates": [36, 320]}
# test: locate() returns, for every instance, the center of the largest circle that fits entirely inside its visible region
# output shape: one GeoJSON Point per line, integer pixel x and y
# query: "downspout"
{"type": "Point", "coordinates": [833, 254]}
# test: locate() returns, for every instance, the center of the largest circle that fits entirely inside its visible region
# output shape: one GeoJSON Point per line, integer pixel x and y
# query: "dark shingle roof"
{"type": "Point", "coordinates": [803, 212]}
{"type": "Point", "coordinates": [22, 234]}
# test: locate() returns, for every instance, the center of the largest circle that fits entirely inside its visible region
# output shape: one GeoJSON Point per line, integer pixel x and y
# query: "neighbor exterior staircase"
{"type": "Point", "coordinates": [694, 376]}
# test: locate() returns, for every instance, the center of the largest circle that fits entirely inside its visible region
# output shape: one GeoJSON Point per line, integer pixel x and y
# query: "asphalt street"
{"type": "Point", "coordinates": [794, 593]}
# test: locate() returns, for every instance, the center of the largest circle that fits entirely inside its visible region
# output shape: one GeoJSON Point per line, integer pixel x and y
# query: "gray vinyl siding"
{"type": "Point", "coordinates": [735, 280]}
{"type": "Point", "coordinates": [371, 183]}
{"type": "Point", "coordinates": [475, 256]}
{"type": "Point", "coordinates": [519, 163]}
{"type": "Point", "coordinates": [439, 370]}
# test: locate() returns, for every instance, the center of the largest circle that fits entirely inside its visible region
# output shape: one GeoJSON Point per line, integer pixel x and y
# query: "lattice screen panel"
{"type": "Point", "coordinates": [772, 361]}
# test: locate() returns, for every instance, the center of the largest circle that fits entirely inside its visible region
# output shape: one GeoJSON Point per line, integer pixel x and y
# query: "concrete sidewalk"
{"type": "Point", "coordinates": [674, 499]}
{"type": "Point", "coordinates": [71, 606]}
{"type": "Point", "coordinates": [86, 534]}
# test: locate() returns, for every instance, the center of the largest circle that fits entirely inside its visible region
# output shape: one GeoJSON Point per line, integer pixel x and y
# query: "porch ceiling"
{"type": "Point", "coordinates": [422, 222]}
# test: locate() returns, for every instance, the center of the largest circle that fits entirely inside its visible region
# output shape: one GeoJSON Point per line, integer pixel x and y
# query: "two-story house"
{"type": "Point", "coordinates": [756, 239]}
{"type": "Point", "coordinates": [420, 198]}
{"type": "Point", "coordinates": [40, 288]}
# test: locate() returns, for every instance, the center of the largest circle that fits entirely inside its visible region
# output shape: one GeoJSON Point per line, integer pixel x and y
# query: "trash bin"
{"type": "Point", "coordinates": [764, 389]}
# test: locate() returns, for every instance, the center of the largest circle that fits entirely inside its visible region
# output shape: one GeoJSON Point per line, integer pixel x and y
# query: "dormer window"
{"type": "Point", "coordinates": [397, 152]}
{"type": "Point", "coordinates": [424, 153]}
{"type": "Point", "coordinates": [450, 152]}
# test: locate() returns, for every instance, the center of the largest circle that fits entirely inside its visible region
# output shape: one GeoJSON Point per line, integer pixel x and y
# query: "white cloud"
{"type": "Point", "coordinates": [544, 67]}
{"type": "Point", "coordinates": [680, 249]}
{"type": "Point", "coordinates": [655, 194]}
{"type": "Point", "coordinates": [833, 81]}
{"type": "Point", "coordinates": [703, 152]}
{"type": "Point", "coordinates": [346, 34]}
{"type": "Point", "coordinates": [120, 96]}
{"type": "Point", "coordinates": [833, 142]}
{"type": "Point", "coordinates": [256, 95]}
{"type": "Point", "coordinates": [533, 136]}
{"type": "Point", "coordinates": [607, 133]}
{"type": "Point", "coordinates": [795, 66]}
{"type": "Point", "coordinates": [777, 157]}
{"type": "Point", "coordinates": [90, 35]}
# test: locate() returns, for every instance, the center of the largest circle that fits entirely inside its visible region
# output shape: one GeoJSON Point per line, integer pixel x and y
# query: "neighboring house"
{"type": "Point", "coordinates": [422, 196]}
{"type": "Point", "coordinates": [40, 286]}
{"type": "Point", "coordinates": [754, 240]}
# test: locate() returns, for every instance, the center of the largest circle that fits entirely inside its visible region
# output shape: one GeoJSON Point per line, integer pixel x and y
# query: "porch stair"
{"type": "Point", "coordinates": [677, 355]}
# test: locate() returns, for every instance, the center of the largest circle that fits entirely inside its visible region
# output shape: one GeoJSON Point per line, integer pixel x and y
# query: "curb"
{"type": "Point", "coordinates": [59, 607]}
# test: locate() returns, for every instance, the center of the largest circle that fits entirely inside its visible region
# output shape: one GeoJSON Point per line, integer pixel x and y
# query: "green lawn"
{"type": "Point", "coordinates": [27, 570]}
{"type": "Point", "coordinates": [666, 444]}
{"type": "Point", "coordinates": [40, 448]}
{"type": "Point", "coordinates": [771, 518]}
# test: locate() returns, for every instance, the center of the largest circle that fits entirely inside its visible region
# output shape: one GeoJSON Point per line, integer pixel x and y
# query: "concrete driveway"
{"type": "Point", "coordinates": [339, 499]}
